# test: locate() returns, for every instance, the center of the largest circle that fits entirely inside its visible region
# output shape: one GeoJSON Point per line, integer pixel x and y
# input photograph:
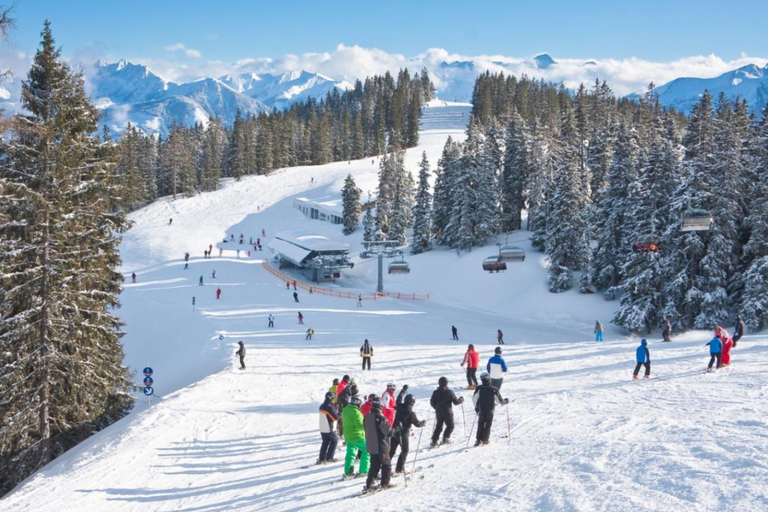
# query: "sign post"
{"type": "Point", "coordinates": [148, 381]}
{"type": "Point", "coordinates": [221, 342]}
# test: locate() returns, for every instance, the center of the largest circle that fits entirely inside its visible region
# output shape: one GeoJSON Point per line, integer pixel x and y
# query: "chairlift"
{"type": "Point", "coordinates": [494, 264]}
{"type": "Point", "coordinates": [697, 220]}
{"type": "Point", "coordinates": [512, 253]}
{"type": "Point", "coordinates": [399, 267]}
{"type": "Point", "coordinates": [646, 245]}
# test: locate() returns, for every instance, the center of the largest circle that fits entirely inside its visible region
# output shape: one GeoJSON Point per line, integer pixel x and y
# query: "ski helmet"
{"type": "Point", "coordinates": [329, 396]}
{"type": "Point", "coordinates": [335, 382]}
{"type": "Point", "coordinates": [485, 377]}
{"type": "Point", "coordinates": [353, 389]}
{"type": "Point", "coordinates": [644, 342]}
{"type": "Point", "coordinates": [409, 400]}
{"type": "Point", "coordinates": [471, 346]}
{"type": "Point", "coordinates": [391, 386]}
{"type": "Point", "coordinates": [376, 404]}
{"type": "Point", "coordinates": [355, 400]}
{"type": "Point", "coordinates": [442, 382]}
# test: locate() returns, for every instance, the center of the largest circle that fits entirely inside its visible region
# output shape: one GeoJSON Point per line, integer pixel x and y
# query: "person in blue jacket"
{"type": "Point", "coordinates": [497, 368]}
{"type": "Point", "coordinates": [715, 352]}
{"type": "Point", "coordinates": [643, 359]}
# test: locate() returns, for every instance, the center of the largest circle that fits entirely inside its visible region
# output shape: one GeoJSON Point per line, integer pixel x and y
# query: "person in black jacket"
{"type": "Point", "coordinates": [485, 399]}
{"type": "Point", "coordinates": [404, 419]}
{"type": "Point", "coordinates": [667, 329]}
{"type": "Point", "coordinates": [377, 434]}
{"type": "Point", "coordinates": [442, 401]}
{"type": "Point", "coordinates": [738, 332]}
{"type": "Point", "coordinates": [241, 353]}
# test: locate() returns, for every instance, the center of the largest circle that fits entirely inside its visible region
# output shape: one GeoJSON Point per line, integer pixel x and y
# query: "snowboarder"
{"type": "Point", "coordinates": [294, 284]}
{"type": "Point", "coordinates": [404, 419]}
{"type": "Point", "coordinates": [715, 352]}
{"type": "Point", "coordinates": [366, 352]}
{"type": "Point", "coordinates": [295, 297]}
{"type": "Point", "coordinates": [500, 337]}
{"type": "Point", "coordinates": [442, 401]}
{"type": "Point", "coordinates": [271, 320]}
{"type": "Point", "coordinates": [472, 360]}
{"type": "Point", "coordinates": [170, 221]}
{"type": "Point", "coordinates": [213, 274]}
{"type": "Point", "coordinates": [359, 300]}
{"type": "Point", "coordinates": [301, 318]}
{"type": "Point", "coordinates": [328, 418]}
{"type": "Point", "coordinates": [497, 367]}
{"type": "Point", "coordinates": [201, 280]}
{"type": "Point", "coordinates": [455, 332]}
{"type": "Point", "coordinates": [354, 435]}
{"type": "Point", "coordinates": [310, 332]}
{"type": "Point", "coordinates": [727, 341]}
{"type": "Point", "coordinates": [485, 399]}
{"type": "Point", "coordinates": [388, 403]}
{"type": "Point", "coordinates": [643, 357]}
{"type": "Point", "coordinates": [738, 331]}
{"type": "Point", "coordinates": [218, 293]}
{"type": "Point", "coordinates": [133, 277]}
{"type": "Point", "coordinates": [377, 434]}
{"type": "Point", "coordinates": [241, 352]}
{"type": "Point", "coordinates": [598, 331]}
{"type": "Point", "coordinates": [667, 330]}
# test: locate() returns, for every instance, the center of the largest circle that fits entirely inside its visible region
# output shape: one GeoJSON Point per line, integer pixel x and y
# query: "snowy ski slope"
{"type": "Point", "coordinates": [584, 436]}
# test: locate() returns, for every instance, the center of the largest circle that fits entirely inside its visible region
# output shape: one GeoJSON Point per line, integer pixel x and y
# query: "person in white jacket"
{"type": "Point", "coordinates": [497, 367]}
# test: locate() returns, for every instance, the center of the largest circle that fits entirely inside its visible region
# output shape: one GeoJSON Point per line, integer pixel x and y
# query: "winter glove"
{"type": "Point", "coordinates": [506, 401]}
{"type": "Point", "coordinates": [423, 423]}
{"type": "Point", "coordinates": [461, 399]}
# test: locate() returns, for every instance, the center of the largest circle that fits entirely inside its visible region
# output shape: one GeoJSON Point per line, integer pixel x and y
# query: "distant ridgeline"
{"type": "Point", "coordinates": [606, 184]}
{"type": "Point", "coordinates": [342, 126]}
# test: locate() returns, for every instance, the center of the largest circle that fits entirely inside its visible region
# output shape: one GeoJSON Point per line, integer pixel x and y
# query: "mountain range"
{"type": "Point", "coordinates": [126, 92]}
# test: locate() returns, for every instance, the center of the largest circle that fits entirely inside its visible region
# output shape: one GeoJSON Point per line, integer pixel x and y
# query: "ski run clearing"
{"type": "Point", "coordinates": [584, 436]}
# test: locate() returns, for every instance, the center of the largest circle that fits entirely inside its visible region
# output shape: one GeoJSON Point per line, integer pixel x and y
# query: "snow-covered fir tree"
{"type": "Point", "coordinates": [422, 229]}
{"type": "Point", "coordinates": [402, 194]}
{"type": "Point", "coordinates": [443, 200]}
{"type": "Point", "coordinates": [369, 222]}
{"type": "Point", "coordinates": [350, 198]}
{"type": "Point", "coordinates": [516, 174]}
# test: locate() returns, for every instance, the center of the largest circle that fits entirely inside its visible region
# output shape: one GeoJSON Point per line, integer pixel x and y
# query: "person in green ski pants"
{"type": "Point", "coordinates": [354, 435]}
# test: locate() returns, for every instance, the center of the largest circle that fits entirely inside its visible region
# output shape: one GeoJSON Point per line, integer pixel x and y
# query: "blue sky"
{"type": "Point", "coordinates": [231, 30]}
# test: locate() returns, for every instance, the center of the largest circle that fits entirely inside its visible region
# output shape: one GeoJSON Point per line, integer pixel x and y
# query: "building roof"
{"type": "Point", "coordinates": [297, 246]}
{"type": "Point", "coordinates": [334, 205]}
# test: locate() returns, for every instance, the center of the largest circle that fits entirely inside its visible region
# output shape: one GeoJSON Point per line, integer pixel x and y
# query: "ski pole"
{"type": "Point", "coordinates": [418, 445]}
{"type": "Point", "coordinates": [471, 429]}
{"type": "Point", "coordinates": [405, 477]}
{"type": "Point", "coordinates": [509, 431]}
{"type": "Point", "coordinates": [464, 417]}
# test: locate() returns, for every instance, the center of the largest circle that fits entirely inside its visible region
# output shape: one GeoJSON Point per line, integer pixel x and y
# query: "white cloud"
{"type": "Point", "coordinates": [189, 52]}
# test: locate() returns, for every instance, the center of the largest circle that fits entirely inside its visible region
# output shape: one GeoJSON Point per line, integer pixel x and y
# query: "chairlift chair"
{"type": "Point", "coordinates": [399, 267]}
{"type": "Point", "coordinates": [697, 220]}
{"type": "Point", "coordinates": [494, 264]}
{"type": "Point", "coordinates": [646, 245]}
{"type": "Point", "coordinates": [511, 253]}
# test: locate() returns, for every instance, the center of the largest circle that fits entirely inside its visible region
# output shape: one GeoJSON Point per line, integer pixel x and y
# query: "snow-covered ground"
{"type": "Point", "coordinates": [584, 436]}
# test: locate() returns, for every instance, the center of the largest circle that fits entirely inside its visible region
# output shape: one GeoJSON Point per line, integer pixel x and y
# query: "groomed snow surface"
{"type": "Point", "coordinates": [584, 436]}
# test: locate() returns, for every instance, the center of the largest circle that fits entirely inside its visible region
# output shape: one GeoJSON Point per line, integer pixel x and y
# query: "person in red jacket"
{"type": "Point", "coordinates": [388, 403]}
{"type": "Point", "coordinates": [218, 292]}
{"type": "Point", "coordinates": [725, 337]}
{"type": "Point", "coordinates": [366, 407]}
{"type": "Point", "coordinates": [472, 360]}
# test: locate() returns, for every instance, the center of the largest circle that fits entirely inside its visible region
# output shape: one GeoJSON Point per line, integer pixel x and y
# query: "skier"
{"type": "Point", "coordinates": [360, 300]}
{"type": "Point", "coordinates": [170, 221]}
{"type": "Point", "coordinates": [218, 293]}
{"type": "Point", "coordinates": [485, 399]}
{"type": "Point", "coordinates": [339, 390]}
{"type": "Point", "coordinates": [455, 332]}
{"type": "Point", "coordinates": [250, 241]}
{"type": "Point", "coordinates": [186, 266]}
{"type": "Point", "coordinates": [193, 303]}
{"type": "Point", "coordinates": [388, 403]}
{"type": "Point", "coordinates": [354, 434]}
{"type": "Point", "coordinates": [232, 237]}
{"type": "Point", "coordinates": [133, 277]}
{"type": "Point", "coordinates": [294, 284]}
{"type": "Point", "coordinates": [205, 254]}
{"type": "Point", "coordinates": [221, 251]}
{"type": "Point", "coordinates": [271, 320]}
{"type": "Point", "coordinates": [366, 407]}
{"type": "Point", "coordinates": [213, 274]}
{"type": "Point", "coordinates": [287, 285]}
{"type": "Point", "coordinates": [263, 233]}
{"type": "Point", "coordinates": [643, 359]}
{"type": "Point", "coordinates": [366, 352]}
{"type": "Point", "coordinates": [377, 434]}
{"type": "Point", "coordinates": [241, 352]}
{"type": "Point", "coordinates": [667, 329]}
{"type": "Point", "coordinates": [201, 280]}
{"type": "Point", "coordinates": [333, 389]}
{"type": "Point", "coordinates": [404, 419]}
{"type": "Point", "coordinates": [186, 256]}
{"type": "Point", "coordinates": [500, 337]}
{"type": "Point", "coordinates": [328, 417]}
{"type": "Point", "coordinates": [598, 331]}
{"type": "Point", "coordinates": [715, 351]}
{"type": "Point", "coordinates": [310, 332]}
{"type": "Point", "coordinates": [472, 360]}
{"type": "Point", "coordinates": [238, 253]}
{"type": "Point", "coordinates": [442, 401]}
{"type": "Point", "coordinates": [295, 296]}
{"type": "Point", "coordinates": [497, 367]}
{"type": "Point", "coordinates": [738, 331]}
{"type": "Point", "coordinates": [210, 248]}
{"type": "Point", "coordinates": [727, 341]}
{"type": "Point", "coordinates": [301, 318]}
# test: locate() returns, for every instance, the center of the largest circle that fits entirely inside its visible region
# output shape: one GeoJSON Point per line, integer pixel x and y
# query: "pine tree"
{"type": "Point", "coordinates": [422, 229]}
{"type": "Point", "coordinates": [215, 140]}
{"type": "Point", "coordinates": [369, 222]}
{"type": "Point", "coordinates": [63, 377]}
{"type": "Point", "coordinates": [444, 192]}
{"type": "Point", "coordinates": [402, 195]}
{"type": "Point", "coordinates": [350, 197]}
{"type": "Point", "coordinates": [516, 174]}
